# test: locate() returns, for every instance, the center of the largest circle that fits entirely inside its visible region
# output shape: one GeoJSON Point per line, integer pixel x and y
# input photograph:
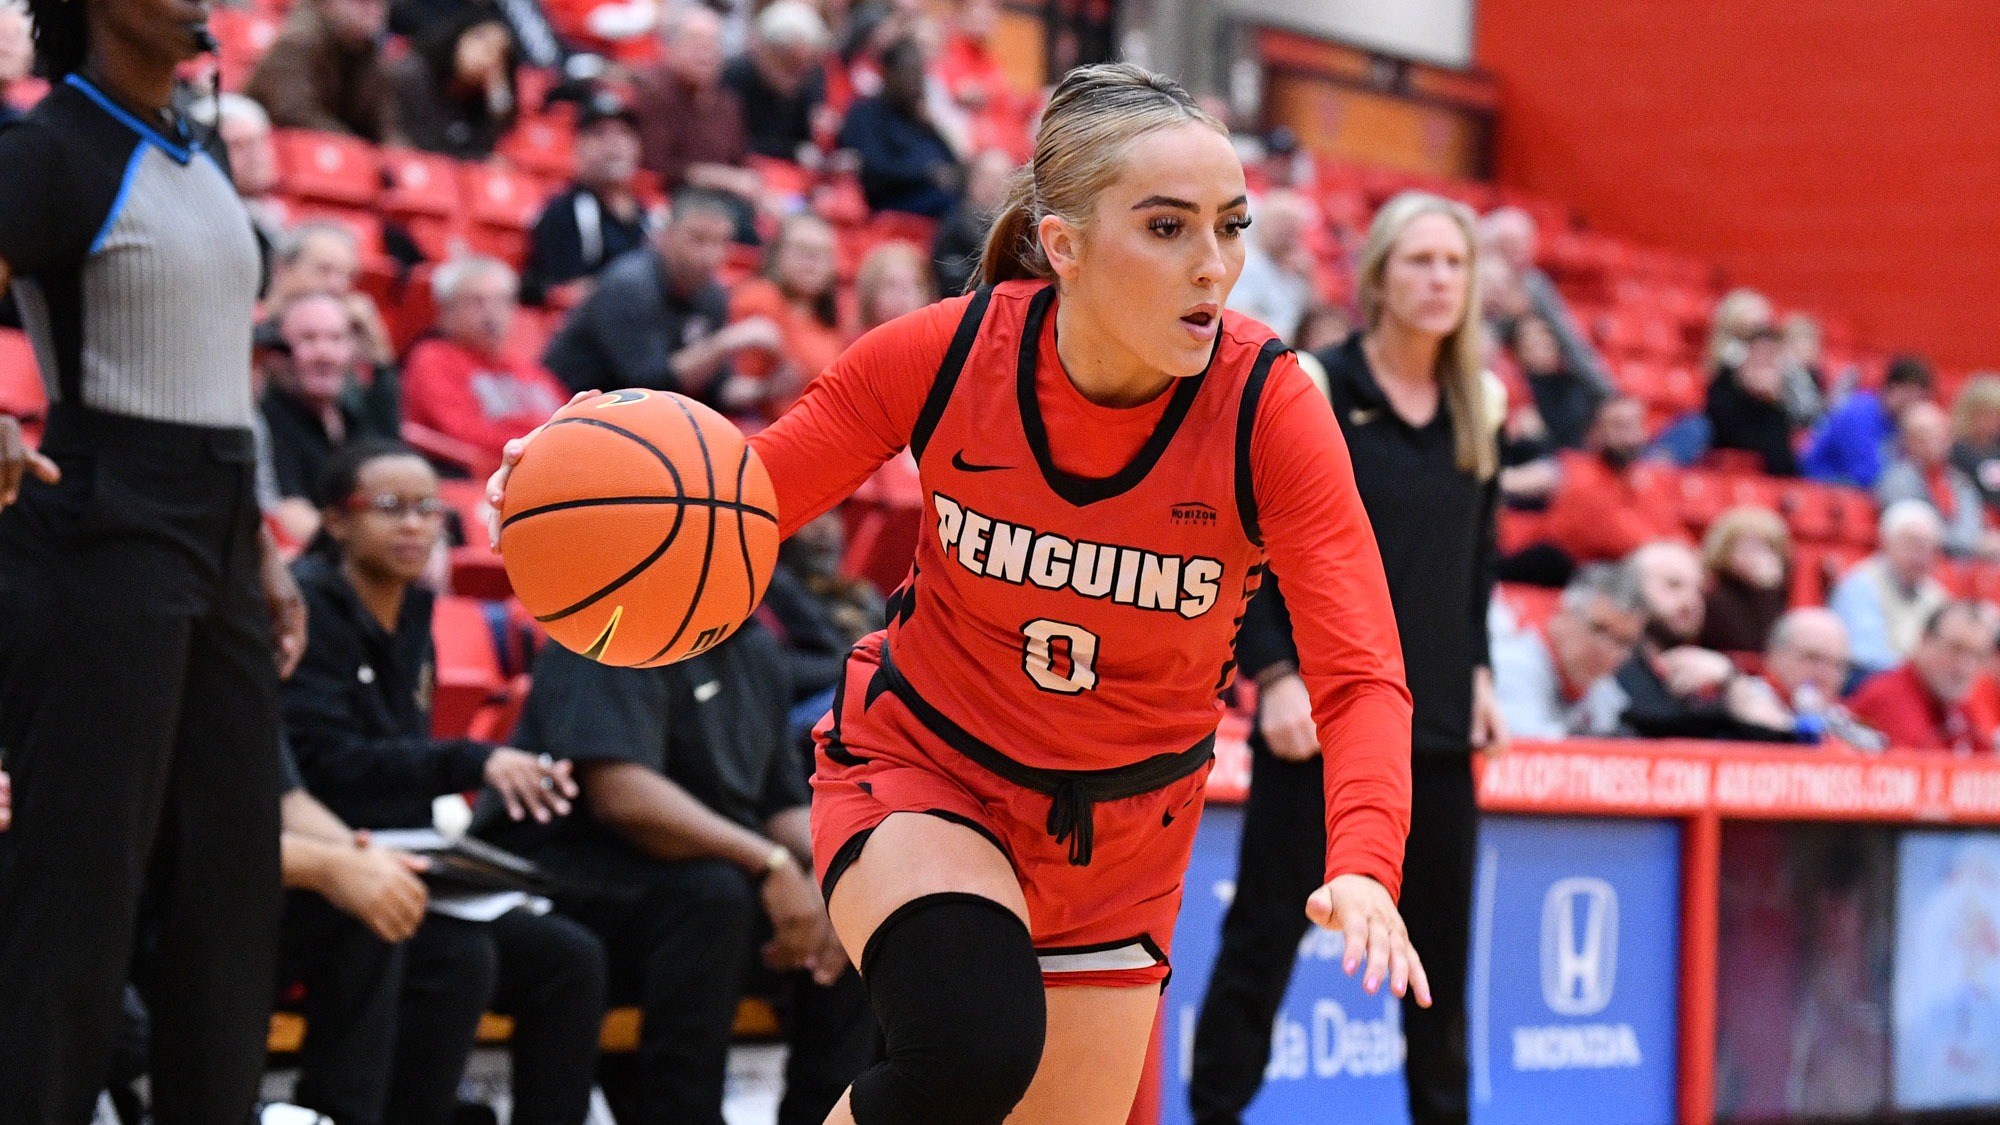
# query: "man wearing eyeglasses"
{"type": "Point", "coordinates": [1554, 680]}
{"type": "Point", "coordinates": [1805, 667]}
{"type": "Point", "coordinates": [1923, 705]}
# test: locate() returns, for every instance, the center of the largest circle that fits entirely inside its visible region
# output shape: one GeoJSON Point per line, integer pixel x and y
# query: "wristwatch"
{"type": "Point", "coordinates": [779, 859]}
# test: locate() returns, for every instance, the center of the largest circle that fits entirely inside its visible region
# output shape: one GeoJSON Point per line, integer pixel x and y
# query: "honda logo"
{"type": "Point", "coordinates": [1579, 945]}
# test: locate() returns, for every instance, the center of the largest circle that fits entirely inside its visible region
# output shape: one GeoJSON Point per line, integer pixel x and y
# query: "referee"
{"type": "Point", "coordinates": [139, 599]}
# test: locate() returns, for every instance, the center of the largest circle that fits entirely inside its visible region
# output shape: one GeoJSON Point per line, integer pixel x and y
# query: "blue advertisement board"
{"type": "Point", "coordinates": [1336, 1052]}
{"type": "Point", "coordinates": [1946, 1005]}
{"type": "Point", "coordinates": [1571, 1000]}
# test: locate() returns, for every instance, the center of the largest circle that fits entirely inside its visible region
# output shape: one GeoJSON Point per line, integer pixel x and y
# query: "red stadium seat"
{"type": "Point", "coordinates": [1812, 511]}
{"type": "Point", "coordinates": [544, 145]}
{"type": "Point", "coordinates": [1531, 606]}
{"type": "Point", "coordinates": [503, 204]}
{"type": "Point", "coordinates": [241, 37]}
{"type": "Point", "coordinates": [21, 391]}
{"type": "Point", "coordinates": [327, 168]}
{"type": "Point", "coordinates": [1858, 519]}
{"type": "Point", "coordinates": [422, 193]}
{"type": "Point", "coordinates": [468, 665]}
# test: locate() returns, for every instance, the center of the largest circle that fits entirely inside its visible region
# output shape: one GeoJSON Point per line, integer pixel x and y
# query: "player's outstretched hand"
{"type": "Point", "coordinates": [1361, 909]}
{"type": "Point", "coordinates": [510, 456]}
{"type": "Point", "coordinates": [17, 459]}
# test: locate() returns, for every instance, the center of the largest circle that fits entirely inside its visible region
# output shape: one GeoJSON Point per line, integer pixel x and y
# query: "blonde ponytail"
{"type": "Point", "coordinates": [1095, 112]}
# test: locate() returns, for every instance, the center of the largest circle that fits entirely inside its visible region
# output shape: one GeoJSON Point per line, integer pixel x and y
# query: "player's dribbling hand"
{"type": "Point", "coordinates": [510, 456]}
{"type": "Point", "coordinates": [1361, 909]}
{"type": "Point", "coordinates": [1285, 718]}
{"type": "Point", "coordinates": [17, 459]}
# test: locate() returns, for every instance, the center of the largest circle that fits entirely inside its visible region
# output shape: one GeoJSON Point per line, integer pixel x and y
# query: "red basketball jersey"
{"type": "Point", "coordinates": [1096, 617]}
{"type": "Point", "coordinates": [1087, 623]}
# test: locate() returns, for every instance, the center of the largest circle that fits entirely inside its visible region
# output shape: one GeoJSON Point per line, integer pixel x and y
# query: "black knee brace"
{"type": "Point", "coordinates": [957, 988]}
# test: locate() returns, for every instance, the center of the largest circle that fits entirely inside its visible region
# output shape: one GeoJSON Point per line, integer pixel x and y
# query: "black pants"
{"type": "Point", "coordinates": [138, 712]}
{"type": "Point", "coordinates": [685, 947]}
{"type": "Point", "coordinates": [1283, 859]}
{"type": "Point", "coordinates": [389, 1027]}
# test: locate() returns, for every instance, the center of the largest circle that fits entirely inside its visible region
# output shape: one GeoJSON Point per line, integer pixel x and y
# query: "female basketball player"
{"type": "Point", "coordinates": [1009, 781]}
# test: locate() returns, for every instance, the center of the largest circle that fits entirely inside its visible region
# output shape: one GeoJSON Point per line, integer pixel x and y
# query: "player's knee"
{"type": "Point", "coordinates": [958, 990]}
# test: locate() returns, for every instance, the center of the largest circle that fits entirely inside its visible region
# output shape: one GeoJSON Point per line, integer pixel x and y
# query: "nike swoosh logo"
{"type": "Point", "coordinates": [959, 462]}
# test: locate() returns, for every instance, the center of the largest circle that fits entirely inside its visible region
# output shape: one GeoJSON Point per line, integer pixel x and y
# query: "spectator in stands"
{"type": "Point", "coordinates": [309, 408]}
{"type": "Point", "coordinates": [599, 218]}
{"type": "Point", "coordinates": [906, 164]}
{"type": "Point", "coordinates": [1322, 327]}
{"type": "Point", "coordinates": [1853, 443]}
{"type": "Point", "coordinates": [1548, 679]}
{"type": "Point", "coordinates": [358, 715]}
{"type": "Point", "coordinates": [781, 81]}
{"type": "Point", "coordinates": [1672, 687]}
{"type": "Point", "coordinates": [1566, 399]}
{"type": "Point", "coordinates": [1509, 235]}
{"type": "Point", "coordinates": [1805, 374]}
{"type": "Point", "coordinates": [1922, 471]}
{"type": "Point", "coordinates": [692, 131]}
{"type": "Point", "coordinates": [460, 383]}
{"type": "Point", "coordinates": [797, 294]}
{"type": "Point", "coordinates": [1885, 598]}
{"type": "Point", "coordinates": [1747, 554]}
{"type": "Point", "coordinates": [657, 316]}
{"type": "Point", "coordinates": [245, 130]}
{"type": "Point", "coordinates": [694, 818]}
{"type": "Point", "coordinates": [1739, 315]}
{"type": "Point", "coordinates": [1609, 504]}
{"type": "Point", "coordinates": [455, 89]}
{"type": "Point", "coordinates": [17, 54]}
{"type": "Point", "coordinates": [893, 279]}
{"type": "Point", "coordinates": [1805, 670]}
{"type": "Point", "coordinates": [972, 75]}
{"type": "Point", "coordinates": [1975, 426]}
{"type": "Point", "coordinates": [819, 612]}
{"type": "Point", "coordinates": [1744, 407]}
{"type": "Point", "coordinates": [327, 72]}
{"type": "Point", "coordinates": [1277, 283]}
{"type": "Point", "coordinates": [322, 256]}
{"type": "Point", "coordinates": [352, 905]}
{"type": "Point", "coordinates": [1922, 705]}
{"type": "Point", "coordinates": [961, 238]}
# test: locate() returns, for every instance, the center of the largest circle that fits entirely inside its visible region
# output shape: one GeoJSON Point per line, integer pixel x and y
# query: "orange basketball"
{"type": "Point", "coordinates": [639, 528]}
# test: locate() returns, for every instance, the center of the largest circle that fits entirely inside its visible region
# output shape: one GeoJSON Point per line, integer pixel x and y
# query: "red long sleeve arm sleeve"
{"type": "Point", "coordinates": [858, 414]}
{"type": "Point", "coordinates": [1319, 540]}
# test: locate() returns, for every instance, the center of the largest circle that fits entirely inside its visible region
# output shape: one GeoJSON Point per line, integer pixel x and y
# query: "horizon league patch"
{"type": "Point", "coordinates": [1131, 576]}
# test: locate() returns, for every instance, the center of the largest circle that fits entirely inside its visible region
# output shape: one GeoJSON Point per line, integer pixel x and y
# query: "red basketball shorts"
{"type": "Point", "coordinates": [1107, 924]}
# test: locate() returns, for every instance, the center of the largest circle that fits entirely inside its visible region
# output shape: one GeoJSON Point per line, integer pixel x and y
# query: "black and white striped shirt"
{"type": "Point", "coordinates": [134, 262]}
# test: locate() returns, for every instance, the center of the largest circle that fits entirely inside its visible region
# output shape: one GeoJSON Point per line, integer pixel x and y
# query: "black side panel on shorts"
{"type": "Point", "coordinates": [947, 376]}
{"type": "Point", "coordinates": [1246, 424]}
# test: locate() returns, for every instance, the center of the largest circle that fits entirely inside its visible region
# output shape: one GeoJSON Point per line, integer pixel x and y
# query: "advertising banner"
{"type": "Point", "coordinates": [1571, 1000]}
{"type": "Point", "coordinates": [1575, 957]}
{"type": "Point", "coordinates": [1947, 980]}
